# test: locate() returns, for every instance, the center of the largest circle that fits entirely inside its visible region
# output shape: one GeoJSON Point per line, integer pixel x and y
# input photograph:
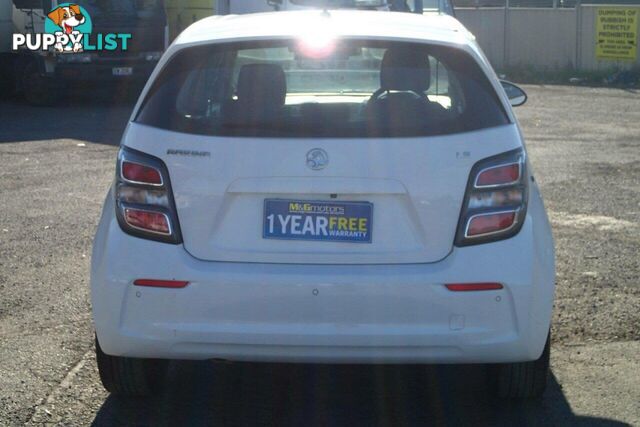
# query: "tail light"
{"type": "Point", "coordinates": [140, 174]}
{"type": "Point", "coordinates": [495, 202]}
{"type": "Point", "coordinates": [144, 200]}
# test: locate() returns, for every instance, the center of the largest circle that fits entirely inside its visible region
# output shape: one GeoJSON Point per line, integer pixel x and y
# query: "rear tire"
{"type": "Point", "coordinates": [127, 376]}
{"type": "Point", "coordinates": [526, 380]}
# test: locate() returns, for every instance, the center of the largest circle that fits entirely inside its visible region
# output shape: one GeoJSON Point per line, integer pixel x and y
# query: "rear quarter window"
{"type": "Point", "coordinates": [353, 88]}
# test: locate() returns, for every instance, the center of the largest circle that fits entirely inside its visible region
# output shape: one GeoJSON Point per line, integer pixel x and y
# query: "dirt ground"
{"type": "Point", "coordinates": [56, 165]}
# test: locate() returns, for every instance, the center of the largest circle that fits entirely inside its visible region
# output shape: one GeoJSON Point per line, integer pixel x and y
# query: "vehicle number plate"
{"type": "Point", "coordinates": [317, 220]}
{"type": "Point", "coordinates": [122, 71]}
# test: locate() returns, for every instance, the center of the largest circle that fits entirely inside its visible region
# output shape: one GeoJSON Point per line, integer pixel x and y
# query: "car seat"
{"type": "Point", "coordinates": [401, 101]}
{"type": "Point", "coordinates": [261, 93]}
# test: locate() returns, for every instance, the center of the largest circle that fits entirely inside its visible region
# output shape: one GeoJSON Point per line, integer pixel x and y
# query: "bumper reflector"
{"type": "Point", "coordinates": [466, 287]}
{"type": "Point", "coordinates": [161, 283]}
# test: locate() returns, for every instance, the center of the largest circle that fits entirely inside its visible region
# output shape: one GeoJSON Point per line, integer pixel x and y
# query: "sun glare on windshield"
{"type": "Point", "coordinates": [317, 45]}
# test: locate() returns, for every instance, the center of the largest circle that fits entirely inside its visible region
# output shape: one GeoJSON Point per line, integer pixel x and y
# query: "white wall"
{"type": "Point", "coordinates": [487, 25]}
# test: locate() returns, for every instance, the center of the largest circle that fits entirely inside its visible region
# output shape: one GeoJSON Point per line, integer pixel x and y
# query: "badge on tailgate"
{"type": "Point", "coordinates": [317, 220]}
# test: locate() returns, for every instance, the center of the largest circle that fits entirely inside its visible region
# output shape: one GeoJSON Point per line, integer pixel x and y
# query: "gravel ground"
{"type": "Point", "coordinates": [56, 165]}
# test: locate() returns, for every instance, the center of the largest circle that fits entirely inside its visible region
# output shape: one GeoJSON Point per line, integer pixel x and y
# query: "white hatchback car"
{"type": "Point", "coordinates": [324, 187]}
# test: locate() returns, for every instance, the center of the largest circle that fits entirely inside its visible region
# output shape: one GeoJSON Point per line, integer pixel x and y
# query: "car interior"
{"type": "Point", "coordinates": [401, 101]}
{"type": "Point", "coordinates": [407, 91]}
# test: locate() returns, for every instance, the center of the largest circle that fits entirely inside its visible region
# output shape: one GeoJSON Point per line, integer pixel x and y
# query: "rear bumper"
{"type": "Point", "coordinates": [325, 313]}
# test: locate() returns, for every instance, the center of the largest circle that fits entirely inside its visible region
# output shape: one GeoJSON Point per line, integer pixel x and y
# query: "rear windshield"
{"type": "Point", "coordinates": [335, 88]}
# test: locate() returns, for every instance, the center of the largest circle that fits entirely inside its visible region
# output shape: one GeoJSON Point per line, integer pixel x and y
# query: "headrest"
{"type": "Point", "coordinates": [262, 84]}
{"type": "Point", "coordinates": [405, 69]}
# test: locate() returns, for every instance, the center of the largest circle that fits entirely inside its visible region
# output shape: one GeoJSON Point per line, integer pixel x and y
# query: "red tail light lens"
{"type": "Point", "coordinates": [156, 222]}
{"type": "Point", "coordinates": [137, 173]}
{"type": "Point", "coordinates": [489, 223]}
{"type": "Point", "coordinates": [467, 287]}
{"type": "Point", "coordinates": [495, 202]}
{"type": "Point", "coordinates": [498, 176]}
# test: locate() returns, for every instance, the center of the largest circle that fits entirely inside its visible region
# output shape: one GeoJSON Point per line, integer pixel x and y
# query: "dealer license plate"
{"type": "Point", "coordinates": [317, 220]}
{"type": "Point", "coordinates": [122, 71]}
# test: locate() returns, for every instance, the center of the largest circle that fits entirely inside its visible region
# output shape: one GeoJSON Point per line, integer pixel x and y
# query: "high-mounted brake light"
{"type": "Point", "coordinates": [495, 202]}
{"type": "Point", "coordinates": [144, 200]}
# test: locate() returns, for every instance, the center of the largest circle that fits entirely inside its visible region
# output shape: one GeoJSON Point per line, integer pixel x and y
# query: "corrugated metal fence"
{"type": "Point", "coordinates": [541, 3]}
{"type": "Point", "coordinates": [542, 38]}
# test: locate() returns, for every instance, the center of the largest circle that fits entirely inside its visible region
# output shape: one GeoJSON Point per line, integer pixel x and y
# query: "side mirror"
{"type": "Point", "coordinates": [516, 95]}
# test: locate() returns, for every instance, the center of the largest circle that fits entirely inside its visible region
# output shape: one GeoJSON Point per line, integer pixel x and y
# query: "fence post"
{"type": "Point", "coordinates": [505, 38]}
{"type": "Point", "coordinates": [578, 34]}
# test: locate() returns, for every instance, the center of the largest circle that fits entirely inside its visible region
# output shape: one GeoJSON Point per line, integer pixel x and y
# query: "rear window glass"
{"type": "Point", "coordinates": [333, 89]}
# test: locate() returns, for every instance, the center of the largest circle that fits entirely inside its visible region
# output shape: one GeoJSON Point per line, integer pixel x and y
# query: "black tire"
{"type": "Point", "coordinates": [127, 376]}
{"type": "Point", "coordinates": [526, 380]}
{"type": "Point", "coordinates": [38, 89]}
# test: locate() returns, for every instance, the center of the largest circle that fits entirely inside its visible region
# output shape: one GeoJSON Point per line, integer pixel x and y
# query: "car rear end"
{"type": "Point", "coordinates": [299, 200]}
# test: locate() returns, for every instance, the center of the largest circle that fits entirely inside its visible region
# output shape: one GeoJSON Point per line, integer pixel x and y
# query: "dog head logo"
{"type": "Point", "coordinates": [67, 17]}
{"type": "Point", "coordinates": [68, 21]}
